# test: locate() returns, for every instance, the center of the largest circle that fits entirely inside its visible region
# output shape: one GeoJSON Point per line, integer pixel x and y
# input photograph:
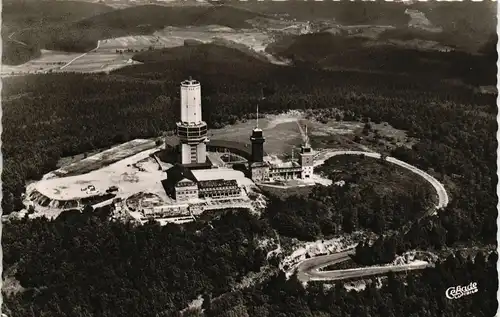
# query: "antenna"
{"type": "Point", "coordinates": [292, 156]}
{"type": "Point", "coordinates": [257, 116]}
{"type": "Point", "coordinates": [307, 138]}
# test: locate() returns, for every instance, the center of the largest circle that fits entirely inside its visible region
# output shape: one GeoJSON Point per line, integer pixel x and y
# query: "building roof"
{"type": "Point", "coordinates": [244, 147]}
{"type": "Point", "coordinates": [190, 82]}
{"type": "Point", "coordinates": [209, 184]}
{"type": "Point", "coordinates": [222, 173]}
{"type": "Point", "coordinates": [179, 172]}
{"type": "Point", "coordinates": [239, 148]}
{"type": "Point", "coordinates": [199, 166]}
{"type": "Point", "coordinates": [289, 164]}
{"type": "Point", "coordinates": [259, 164]}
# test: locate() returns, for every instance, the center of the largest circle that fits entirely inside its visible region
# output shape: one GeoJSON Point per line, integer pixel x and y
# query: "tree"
{"type": "Point", "coordinates": [88, 209]}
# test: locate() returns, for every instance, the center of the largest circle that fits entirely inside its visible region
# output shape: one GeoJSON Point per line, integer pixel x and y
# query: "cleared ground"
{"type": "Point", "coordinates": [284, 133]}
{"type": "Point", "coordinates": [104, 158]}
{"type": "Point", "coordinates": [131, 174]}
{"type": "Point", "coordinates": [173, 36]}
{"type": "Point", "coordinates": [100, 61]}
{"type": "Point", "coordinates": [281, 132]}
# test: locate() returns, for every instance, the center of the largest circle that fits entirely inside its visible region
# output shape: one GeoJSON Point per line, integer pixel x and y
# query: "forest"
{"type": "Point", "coordinates": [86, 265]}
{"type": "Point", "coordinates": [47, 117]}
{"type": "Point", "coordinates": [92, 266]}
{"type": "Point", "coordinates": [364, 54]}
{"type": "Point", "coordinates": [362, 203]}
{"type": "Point", "coordinates": [51, 116]}
{"type": "Point", "coordinates": [417, 294]}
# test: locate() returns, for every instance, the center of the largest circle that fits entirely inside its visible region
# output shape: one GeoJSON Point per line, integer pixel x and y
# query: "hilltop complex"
{"type": "Point", "coordinates": [192, 136]}
{"type": "Point", "coordinates": [140, 185]}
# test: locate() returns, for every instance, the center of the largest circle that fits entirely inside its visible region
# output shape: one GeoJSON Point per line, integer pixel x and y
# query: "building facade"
{"type": "Point", "coordinates": [182, 185]}
{"type": "Point", "coordinates": [219, 188]}
{"type": "Point", "coordinates": [186, 190]}
{"type": "Point", "coordinates": [289, 170]}
{"type": "Point", "coordinates": [257, 140]}
{"type": "Point", "coordinates": [306, 159]}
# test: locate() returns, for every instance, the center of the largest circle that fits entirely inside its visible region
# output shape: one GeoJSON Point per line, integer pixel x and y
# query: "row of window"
{"type": "Point", "coordinates": [227, 194]}
{"type": "Point", "coordinates": [218, 188]}
{"type": "Point", "coordinates": [187, 192]}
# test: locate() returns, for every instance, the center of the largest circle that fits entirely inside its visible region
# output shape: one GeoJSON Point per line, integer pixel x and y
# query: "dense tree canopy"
{"type": "Point", "coordinates": [419, 294]}
{"type": "Point", "coordinates": [46, 117]}
{"type": "Point", "coordinates": [148, 270]}
{"type": "Point", "coordinates": [111, 269]}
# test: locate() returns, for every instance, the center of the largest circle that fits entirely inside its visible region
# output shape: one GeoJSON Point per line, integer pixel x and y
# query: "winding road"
{"type": "Point", "coordinates": [309, 270]}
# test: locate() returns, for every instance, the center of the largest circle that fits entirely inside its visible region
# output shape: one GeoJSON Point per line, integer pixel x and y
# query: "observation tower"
{"type": "Point", "coordinates": [191, 130]}
{"type": "Point", "coordinates": [257, 139]}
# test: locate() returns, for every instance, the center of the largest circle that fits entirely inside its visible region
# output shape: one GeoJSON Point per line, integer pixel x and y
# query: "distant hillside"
{"type": "Point", "coordinates": [343, 12]}
{"type": "Point", "coordinates": [207, 58]}
{"type": "Point", "coordinates": [466, 23]}
{"type": "Point", "coordinates": [475, 16]}
{"type": "Point", "coordinates": [25, 24]}
{"type": "Point", "coordinates": [82, 35]}
{"type": "Point", "coordinates": [350, 53]}
{"type": "Point", "coordinates": [154, 17]}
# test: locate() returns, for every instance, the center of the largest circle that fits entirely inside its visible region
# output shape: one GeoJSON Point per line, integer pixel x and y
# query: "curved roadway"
{"type": "Point", "coordinates": [310, 269]}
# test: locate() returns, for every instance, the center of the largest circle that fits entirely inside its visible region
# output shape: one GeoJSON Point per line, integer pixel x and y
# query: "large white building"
{"type": "Point", "coordinates": [191, 129]}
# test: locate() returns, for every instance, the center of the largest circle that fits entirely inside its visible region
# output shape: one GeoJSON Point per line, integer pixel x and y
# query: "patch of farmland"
{"type": "Point", "coordinates": [100, 61]}
{"type": "Point", "coordinates": [172, 37]}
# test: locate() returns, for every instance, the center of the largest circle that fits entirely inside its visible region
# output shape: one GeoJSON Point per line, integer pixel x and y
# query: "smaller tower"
{"type": "Point", "coordinates": [258, 140]}
{"type": "Point", "coordinates": [306, 159]}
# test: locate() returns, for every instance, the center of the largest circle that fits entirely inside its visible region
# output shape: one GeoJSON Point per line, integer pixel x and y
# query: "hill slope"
{"type": "Point", "coordinates": [351, 53]}
{"type": "Point", "coordinates": [80, 35]}
{"type": "Point", "coordinates": [26, 25]}
{"type": "Point", "coordinates": [343, 12]}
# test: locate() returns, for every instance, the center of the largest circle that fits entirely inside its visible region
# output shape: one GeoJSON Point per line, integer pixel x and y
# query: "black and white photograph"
{"type": "Point", "coordinates": [202, 158]}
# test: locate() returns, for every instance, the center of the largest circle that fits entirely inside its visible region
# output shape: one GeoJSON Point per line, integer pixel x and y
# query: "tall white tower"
{"type": "Point", "coordinates": [306, 159]}
{"type": "Point", "coordinates": [191, 130]}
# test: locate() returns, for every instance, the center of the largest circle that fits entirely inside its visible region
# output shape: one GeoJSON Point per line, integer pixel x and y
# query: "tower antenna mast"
{"type": "Point", "coordinates": [307, 138]}
{"type": "Point", "coordinates": [257, 116]}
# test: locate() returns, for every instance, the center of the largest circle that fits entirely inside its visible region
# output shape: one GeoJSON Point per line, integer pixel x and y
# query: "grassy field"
{"type": "Point", "coordinates": [283, 134]}
{"type": "Point", "coordinates": [280, 138]}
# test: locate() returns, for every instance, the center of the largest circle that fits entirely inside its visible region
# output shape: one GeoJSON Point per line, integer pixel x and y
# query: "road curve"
{"type": "Point", "coordinates": [308, 270]}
